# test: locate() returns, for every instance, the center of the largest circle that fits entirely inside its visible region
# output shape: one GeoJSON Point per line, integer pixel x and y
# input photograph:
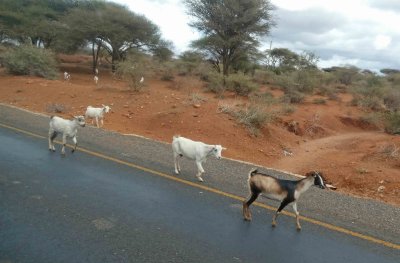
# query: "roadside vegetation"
{"type": "Point", "coordinates": [227, 58]}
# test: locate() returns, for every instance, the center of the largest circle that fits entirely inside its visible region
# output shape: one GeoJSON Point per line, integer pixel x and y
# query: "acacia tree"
{"type": "Point", "coordinates": [116, 29]}
{"type": "Point", "coordinates": [230, 28]}
{"type": "Point", "coordinates": [34, 21]}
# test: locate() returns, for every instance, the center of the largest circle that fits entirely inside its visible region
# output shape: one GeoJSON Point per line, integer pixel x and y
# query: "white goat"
{"type": "Point", "coordinates": [68, 128]}
{"type": "Point", "coordinates": [96, 79]}
{"type": "Point", "coordinates": [286, 191]}
{"type": "Point", "coordinates": [97, 113]}
{"type": "Point", "coordinates": [67, 76]}
{"type": "Point", "coordinates": [193, 150]}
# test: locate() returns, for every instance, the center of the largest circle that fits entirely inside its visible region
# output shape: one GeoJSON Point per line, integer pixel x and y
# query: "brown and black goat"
{"type": "Point", "coordinates": [286, 191]}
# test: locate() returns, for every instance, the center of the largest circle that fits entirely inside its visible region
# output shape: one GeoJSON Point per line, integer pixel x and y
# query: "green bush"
{"type": "Point", "coordinates": [293, 96]}
{"type": "Point", "coordinates": [215, 82]}
{"type": "Point", "coordinates": [30, 60]}
{"type": "Point", "coordinates": [392, 123]}
{"type": "Point", "coordinates": [254, 118]}
{"type": "Point", "coordinates": [134, 68]}
{"type": "Point", "coordinates": [240, 83]}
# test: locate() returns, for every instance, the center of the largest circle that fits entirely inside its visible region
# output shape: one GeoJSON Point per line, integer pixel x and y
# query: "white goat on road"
{"type": "Point", "coordinates": [97, 113]}
{"type": "Point", "coordinates": [68, 128]}
{"type": "Point", "coordinates": [193, 150]}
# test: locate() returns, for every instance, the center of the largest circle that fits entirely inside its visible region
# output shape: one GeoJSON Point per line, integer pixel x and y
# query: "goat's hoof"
{"type": "Point", "coordinates": [273, 224]}
{"type": "Point", "coordinates": [176, 172]}
{"type": "Point", "coordinates": [200, 179]}
{"type": "Point", "coordinates": [72, 151]}
{"type": "Point", "coordinates": [247, 218]}
{"type": "Point", "coordinates": [298, 228]}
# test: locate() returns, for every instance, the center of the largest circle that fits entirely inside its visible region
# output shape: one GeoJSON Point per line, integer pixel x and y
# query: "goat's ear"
{"type": "Point", "coordinates": [223, 148]}
{"type": "Point", "coordinates": [310, 174]}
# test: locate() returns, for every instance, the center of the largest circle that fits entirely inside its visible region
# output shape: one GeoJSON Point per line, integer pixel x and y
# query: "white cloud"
{"type": "Point", "coordinates": [382, 42]}
{"type": "Point", "coordinates": [359, 32]}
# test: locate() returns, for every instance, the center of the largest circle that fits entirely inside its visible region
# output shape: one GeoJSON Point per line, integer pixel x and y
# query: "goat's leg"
{"type": "Point", "coordinates": [176, 163]}
{"type": "Point", "coordinates": [64, 142]}
{"type": "Point", "coordinates": [97, 122]}
{"type": "Point", "coordinates": [297, 216]}
{"type": "Point", "coordinates": [52, 135]}
{"type": "Point", "coordinates": [76, 144]}
{"type": "Point", "coordinates": [246, 205]}
{"type": "Point", "coordinates": [284, 203]}
{"type": "Point", "coordinates": [200, 170]}
{"type": "Point", "coordinates": [102, 122]}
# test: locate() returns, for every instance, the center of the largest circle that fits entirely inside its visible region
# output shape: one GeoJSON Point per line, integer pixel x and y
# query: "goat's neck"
{"type": "Point", "coordinates": [304, 184]}
{"type": "Point", "coordinates": [210, 149]}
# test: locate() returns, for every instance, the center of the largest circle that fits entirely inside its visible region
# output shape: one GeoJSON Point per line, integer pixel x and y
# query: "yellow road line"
{"type": "Point", "coordinates": [220, 192]}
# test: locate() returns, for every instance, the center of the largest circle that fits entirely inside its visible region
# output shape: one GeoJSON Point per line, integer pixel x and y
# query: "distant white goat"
{"type": "Point", "coordinates": [141, 79]}
{"type": "Point", "coordinates": [96, 79]}
{"type": "Point", "coordinates": [67, 76]}
{"type": "Point", "coordinates": [97, 113]}
{"type": "Point", "coordinates": [193, 150]}
{"type": "Point", "coordinates": [96, 71]}
{"type": "Point", "coordinates": [68, 128]}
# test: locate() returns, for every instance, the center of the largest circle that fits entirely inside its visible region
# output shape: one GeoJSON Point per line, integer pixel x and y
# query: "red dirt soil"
{"type": "Point", "coordinates": [357, 158]}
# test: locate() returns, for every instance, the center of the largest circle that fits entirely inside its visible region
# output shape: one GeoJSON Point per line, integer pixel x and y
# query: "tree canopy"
{"type": "Point", "coordinates": [64, 25]}
{"type": "Point", "coordinates": [231, 28]}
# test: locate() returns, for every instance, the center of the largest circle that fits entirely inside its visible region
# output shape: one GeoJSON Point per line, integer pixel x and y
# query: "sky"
{"type": "Point", "coordinates": [363, 33]}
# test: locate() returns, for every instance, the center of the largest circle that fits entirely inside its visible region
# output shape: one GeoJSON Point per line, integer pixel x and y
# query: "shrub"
{"type": "Point", "coordinates": [240, 84]}
{"type": "Point", "coordinates": [134, 68]}
{"type": "Point", "coordinates": [215, 82]}
{"type": "Point", "coordinates": [392, 123]}
{"type": "Point", "coordinates": [254, 118]}
{"type": "Point", "coordinates": [30, 60]}
{"type": "Point", "coordinates": [293, 96]}
{"type": "Point", "coordinates": [319, 101]}
{"type": "Point", "coordinates": [392, 100]}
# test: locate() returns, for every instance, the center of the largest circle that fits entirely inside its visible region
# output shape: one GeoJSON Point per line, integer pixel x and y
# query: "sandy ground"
{"type": "Point", "coordinates": [357, 158]}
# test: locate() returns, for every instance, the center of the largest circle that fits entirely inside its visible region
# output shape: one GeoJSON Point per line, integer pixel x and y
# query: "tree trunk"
{"type": "Point", "coordinates": [95, 55]}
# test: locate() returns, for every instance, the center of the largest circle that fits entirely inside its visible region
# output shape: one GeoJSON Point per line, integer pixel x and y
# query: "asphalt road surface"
{"type": "Point", "coordinates": [82, 208]}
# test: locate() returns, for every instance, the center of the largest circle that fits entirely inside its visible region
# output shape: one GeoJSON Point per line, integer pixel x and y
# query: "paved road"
{"type": "Point", "coordinates": [84, 209]}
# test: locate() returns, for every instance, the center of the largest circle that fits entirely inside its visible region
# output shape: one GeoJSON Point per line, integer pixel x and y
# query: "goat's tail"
{"type": "Point", "coordinates": [253, 172]}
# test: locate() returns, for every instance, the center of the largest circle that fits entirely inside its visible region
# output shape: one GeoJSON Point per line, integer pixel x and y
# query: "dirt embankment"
{"type": "Point", "coordinates": [354, 156]}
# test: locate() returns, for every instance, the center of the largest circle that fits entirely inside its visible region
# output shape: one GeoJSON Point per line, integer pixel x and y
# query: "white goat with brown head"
{"type": "Point", "coordinates": [286, 191]}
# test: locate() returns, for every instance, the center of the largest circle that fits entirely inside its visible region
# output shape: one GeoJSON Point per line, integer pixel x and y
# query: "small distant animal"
{"type": "Point", "coordinates": [286, 191]}
{"type": "Point", "coordinates": [67, 76]}
{"type": "Point", "coordinates": [96, 79]}
{"type": "Point", "coordinates": [142, 79]}
{"type": "Point", "coordinates": [96, 71]}
{"type": "Point", "coordinates": [97, 113]}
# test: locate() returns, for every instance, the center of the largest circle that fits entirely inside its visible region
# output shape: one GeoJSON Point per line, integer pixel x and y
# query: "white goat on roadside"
{"type": "Point", "coordinates": [68, 128]}
{"type": "Point", "coordinates": [67, 76]}
{"type": "Point", "coordinates": [96, 79]}
{"type": "Point", "coordinates": [193, 150]}
{"type": "Point", "coordinates": [97, 113]}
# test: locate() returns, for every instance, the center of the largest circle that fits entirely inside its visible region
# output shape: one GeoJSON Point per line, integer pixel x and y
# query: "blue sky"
{"type": "Point", "coordinates": [363, 33]}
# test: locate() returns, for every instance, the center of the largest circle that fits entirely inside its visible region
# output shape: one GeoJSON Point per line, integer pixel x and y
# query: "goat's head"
{"type": "Point", "coordinates": [80, 120]}
{"type": "Point", "coordinates": [217, 150]}
{"type": "Point", "coordinates": [318, 179]}
{"type": "Point", "coordinates": [106, 109]}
